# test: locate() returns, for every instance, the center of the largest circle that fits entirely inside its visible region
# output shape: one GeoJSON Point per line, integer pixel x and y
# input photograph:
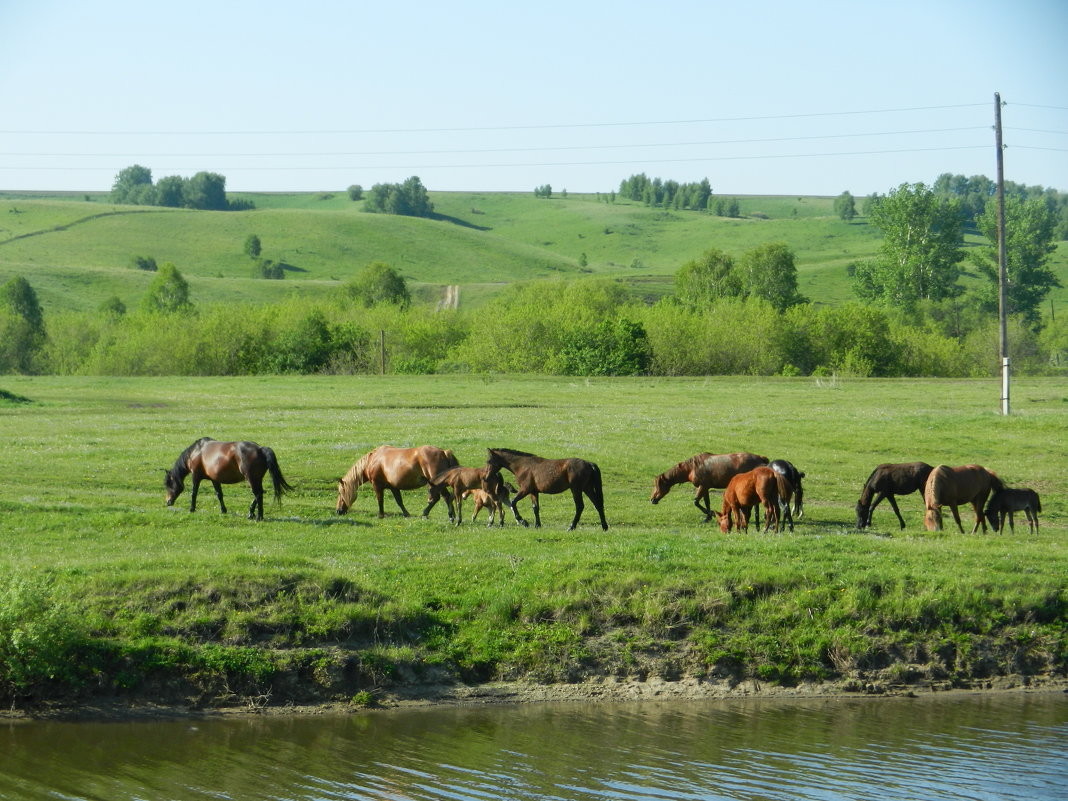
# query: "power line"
{"type": "Point", "coordinates": [806, 115]}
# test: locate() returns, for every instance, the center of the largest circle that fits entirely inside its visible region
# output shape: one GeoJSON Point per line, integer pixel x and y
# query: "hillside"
{"type": "Point", "coordinates": [75, 249]}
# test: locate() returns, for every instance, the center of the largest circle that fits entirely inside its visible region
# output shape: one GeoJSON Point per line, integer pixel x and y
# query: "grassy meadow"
{"type": "Point", "coordinates": [123, 596]}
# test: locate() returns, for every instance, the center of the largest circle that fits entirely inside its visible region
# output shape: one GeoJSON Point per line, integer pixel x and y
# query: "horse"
{"type": "Point", "coordinates": [1004, 502]}
{"type": "Point", "coordinates": [459, 479]}
{"type": "Point", "coordinates": [886, 481]}
{"type": "Point", "coordinates": [225, 463]}
{"type": "Point", "coordinates": [705, 471]}
{"type": "Point", "coordinates": [496, 501]}
{"type": "Point", "coordinates": [761, 485]}
{"type": "Point", "coordinates": [396, 469]}
{"type": "Point", "coordinates": [535, 475]}
{"type": "Point", "coordinates": [952, 486]}
{"type": "Point", "coordinates": [794, 476]}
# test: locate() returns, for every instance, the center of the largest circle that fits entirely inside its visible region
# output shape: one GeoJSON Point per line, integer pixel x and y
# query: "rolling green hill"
{"type": "Point", "coordinates": [75, 249]}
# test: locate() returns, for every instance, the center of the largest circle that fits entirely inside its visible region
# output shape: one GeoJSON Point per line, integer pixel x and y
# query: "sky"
{"type": "Point", "coordinates": [771, 97]}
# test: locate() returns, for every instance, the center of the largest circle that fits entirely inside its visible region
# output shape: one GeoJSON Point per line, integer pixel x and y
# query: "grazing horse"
{"type": "Point", "coordinates": [794, 476]}
{"type": "Point", "coordinates": [761, 485]}
{"type": "Point", "coordinates": [886, 481]}
{"type": "Point", "coordinates": [1004, 502]}
{"type": "Point", "coordinates": [952, 486]}
{"type": "Point", "coordinates": [396, 469]}
{"type": "Point", "coordinates": [225, 463]}
{"type": "Point", "coordinates": [705, 471]}
{"type": "Point", "coordinates": [459, 479]}
{"type": "Point", "coordinates": [535, 475]}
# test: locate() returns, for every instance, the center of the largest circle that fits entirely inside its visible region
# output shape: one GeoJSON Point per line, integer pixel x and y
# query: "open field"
{"type": "Point", "coordinates": [214, 609]}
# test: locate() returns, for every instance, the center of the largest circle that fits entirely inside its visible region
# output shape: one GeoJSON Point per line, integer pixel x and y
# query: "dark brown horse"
{"type": "Point", "coordinates": [225, 463]}
{"type": "Point", "coordinates": [535, 475]}
{"type": "Point", "coordinates": [953, 486]}
{"type": "Point", "coordinates": [1004, 502]}
{"type": "Point", "coordinates": [705, 471]}
{"type": "Point", "coordinates": [460, 479]}
{"type": "Point", "coordinates": [396, 469]}
{"type": "Point", "coordinates": [761, 485]}
{"type": "Point", "coordinates": [886, 481]}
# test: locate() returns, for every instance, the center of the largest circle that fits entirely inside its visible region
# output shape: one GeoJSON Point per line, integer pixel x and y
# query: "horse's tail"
{"type": "Point", "coordinates": [450, 458]}
{"type": "Point", "coordinates": [280, 484]}
{"type": "Point", "coordinates": [596, 486]}
{"type": "Point", "coordinates": [1038, 503]}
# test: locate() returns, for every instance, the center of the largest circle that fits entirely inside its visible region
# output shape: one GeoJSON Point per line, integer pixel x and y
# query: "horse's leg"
{"type": "Point", "coordinates": [379, 491]}
{"type": "Point", "coordinates": [1012, 523]}
{"type": "Point", "coordinates": [537, 509]}
{"type": "Point", "coordinates": [515, 509]}
{"type": "Point", "coordinates": [193, 493]}
{"type": "Point", "coordinates": [579, 506]}
{"type": "Point", "coordinates": [397, 498]}
{"type": "Point", "coordinates": [893, 505]}
{"type": "Point", "coordinates": [706, 508]}
{"type": "Point", "coordinates": [956, 516]}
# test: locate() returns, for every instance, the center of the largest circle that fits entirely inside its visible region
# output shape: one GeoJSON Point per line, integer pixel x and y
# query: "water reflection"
{"type": "Point", "coordinates": [1006, 747]}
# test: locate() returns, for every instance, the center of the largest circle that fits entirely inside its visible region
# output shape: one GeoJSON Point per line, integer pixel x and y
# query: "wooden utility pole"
{"type": "Point", "coordinates": [1002, 273]}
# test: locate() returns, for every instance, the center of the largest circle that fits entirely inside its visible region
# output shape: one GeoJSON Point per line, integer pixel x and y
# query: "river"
{"type": "Point", "coordinates": [998, 747]}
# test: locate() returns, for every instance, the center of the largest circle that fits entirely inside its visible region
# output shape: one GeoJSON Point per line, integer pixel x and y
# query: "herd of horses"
{"type": "Point", "coordinates": [749, 482]}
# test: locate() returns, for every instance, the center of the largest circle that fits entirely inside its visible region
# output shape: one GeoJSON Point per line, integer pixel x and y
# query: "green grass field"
{"type": "Point", "coordinates": [160, 597]}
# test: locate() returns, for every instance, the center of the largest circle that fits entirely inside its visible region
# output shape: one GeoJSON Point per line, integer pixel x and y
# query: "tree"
{"type": "Point", "coordinates": [769, 272]}
{"type": "Point", "coordinates": [379, 283]}
{"type": "Point", "coordinates": [22, 330]}
{"type": "Point", "coordinates": [355, 192]}
{"type": "Point", "coordinates": [409, 199]}
{"type": "Point", "coordinates": [845, 206]}
{"type": "Point", "coordinates": [701, 281]}
{"type": "Point", "coordinates": [921, 249]}
{"type": "Point", "coordinates": [1029, 242]}
{"type": "Point", "coordinates": [252, 246]}
{"type": "Point", "coordinates": [168, 292]}
{"type": "Point", "coordinates": [206, 190]}
{"type": "Point", "coordinates": [133, 185]}
{"type": "Point", "coordinates": [170, 191]}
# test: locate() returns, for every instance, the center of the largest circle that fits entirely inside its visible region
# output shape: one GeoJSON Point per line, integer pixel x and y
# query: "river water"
{"type": "Point", "coordinates": [1001, 748]}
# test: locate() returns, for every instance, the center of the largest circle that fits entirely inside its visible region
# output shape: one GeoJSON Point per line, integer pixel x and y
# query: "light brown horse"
{"type": "Point", "coordinates": [496, 501]}
{"type": "Point", "coordinates": [225, 463]}
{"type": "Point", "coordinates": [535, 475]}
{"type": "Point", "coordinates": [396, 469]}
{"type": "Point", "coordinates": [761, 485]}
{"type": "Point", "coordinates": [459, 479]}
{"type": "Point", "coordinates": [953, 486]}
{"type": "Point", "coordinates": [706, 471]}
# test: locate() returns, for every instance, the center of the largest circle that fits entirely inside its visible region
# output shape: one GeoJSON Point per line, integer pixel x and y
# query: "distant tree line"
{"type": "Point", "coordinates": [205, 190]}
{"type": "Point", "coordinates": [667, 194]}
{"type": "Point", "coordinates": [974, 194]}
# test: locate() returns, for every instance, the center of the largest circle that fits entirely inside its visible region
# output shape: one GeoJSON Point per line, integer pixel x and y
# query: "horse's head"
{"type": "Point", "coordinates": [174, 486]}
{"type": "Point", "coordinates": [992, 517]}
{"type": "Point", "coordinates": [346, 494]}
{"type": "Point", "coordinates": [862, 515]}
{"type": "Point", "coordinates": [726, 522]}
{"type": "Point", "coordinates": [661, 487]}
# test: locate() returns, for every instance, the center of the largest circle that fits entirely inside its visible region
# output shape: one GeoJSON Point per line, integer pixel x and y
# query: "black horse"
{"type": "Point", "coordinates": [794, 476]}
{"type": "Point", "coordinates": [886, 481]}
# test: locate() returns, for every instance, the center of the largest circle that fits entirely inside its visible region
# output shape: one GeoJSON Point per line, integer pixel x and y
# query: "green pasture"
{"type": "Point", "coordinates": [154, 589]}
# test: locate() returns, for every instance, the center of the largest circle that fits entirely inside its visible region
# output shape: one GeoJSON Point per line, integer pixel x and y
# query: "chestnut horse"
{"type": "Point", "coordinates": [225, 463]}
{"type": "Point", "coordinates": [1004, 502]}
{"type": "Point", "coordinates": [705, 471]}
{"type": "Point", "coordinates": [459, 479]}
{"type": "Point", "coordinates": [535, 475]}
{"type": "Point", "coordinates": [396, 469]}
{"type": "Point", "coordinates": [886, 481]}
{"type": "Point", "coordinates": [761, 485]}
{"type": "Point", "coordinates": [952, 486]}
{"type": "Point", "coordinates": [496, 501]}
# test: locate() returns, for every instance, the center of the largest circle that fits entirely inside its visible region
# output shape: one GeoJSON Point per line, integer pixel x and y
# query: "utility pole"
{"type": "Point", "coordinates": [1002, 258]}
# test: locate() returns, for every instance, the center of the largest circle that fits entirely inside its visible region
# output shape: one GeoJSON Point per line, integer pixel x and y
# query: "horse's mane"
{"type": "Point", "coordinates": [513, 452]}
{"type": "Point", "coordinates": [181, 464]}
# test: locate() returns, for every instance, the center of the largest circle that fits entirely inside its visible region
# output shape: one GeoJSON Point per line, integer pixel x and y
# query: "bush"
{"type": "Point", "coordinates": [39, 635]}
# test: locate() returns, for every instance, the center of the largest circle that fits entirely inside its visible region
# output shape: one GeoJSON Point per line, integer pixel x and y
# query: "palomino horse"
{"type": "Point", "coordinates": [396, 469]}
{"type": "Point", "coordinates": [761, 485]}
{"type": "Point", "coordinates": [225, 463]}
{"type": "Point", "coordinates": [886, 481]}
{"type": "Point", "coordinates": [1004, 502]}
{"type": "Point", "coordinates": [535, 475]}
{"type": "Point", "coordinates": [459, 479]}
{"type": "Point", "coordinates": [952, 486]}
{"type": "Point", "coordinates": [705, 471]}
